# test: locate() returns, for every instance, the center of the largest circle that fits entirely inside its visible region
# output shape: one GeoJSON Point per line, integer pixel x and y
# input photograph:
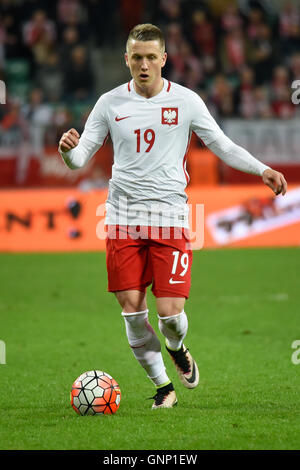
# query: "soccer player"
{"type": "Point", "coordinates": [150, 121]}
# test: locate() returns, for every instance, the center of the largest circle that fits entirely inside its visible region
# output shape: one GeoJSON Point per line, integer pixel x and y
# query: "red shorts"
{"type": "Point", "coordinates": [139, 256]}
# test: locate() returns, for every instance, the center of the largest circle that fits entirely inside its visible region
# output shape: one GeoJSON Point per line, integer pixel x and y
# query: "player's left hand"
{"type": "Point", "coordinates": [275, 181]}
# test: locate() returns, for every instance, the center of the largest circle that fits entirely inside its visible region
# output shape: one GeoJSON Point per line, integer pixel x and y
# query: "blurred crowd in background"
{"type": "Point", "coordinates": [57, 57]}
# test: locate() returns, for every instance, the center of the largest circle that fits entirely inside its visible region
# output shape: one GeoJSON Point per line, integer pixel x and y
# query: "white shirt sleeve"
{"type": "Point", "coordinates": [96, 127]}
{"type": "Point", "coordinates": [235, 156]}
{"type": "Point", "coordinates": [202, 122]}
{"type": "Point", "coordinates": [95, 132]}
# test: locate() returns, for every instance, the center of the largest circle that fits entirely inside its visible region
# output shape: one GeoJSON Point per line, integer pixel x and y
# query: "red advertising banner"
{"type": "Point", "coordinates": [71, 220]}
{"type": "Point", "coordinates": [20, 168]}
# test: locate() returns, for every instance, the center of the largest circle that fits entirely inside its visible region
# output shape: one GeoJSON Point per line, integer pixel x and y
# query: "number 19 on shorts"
{"type": "Point", "coordinates": [181, 260]}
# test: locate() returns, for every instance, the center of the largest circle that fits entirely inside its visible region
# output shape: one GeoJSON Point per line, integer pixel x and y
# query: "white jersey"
{"type": "Point", "coordinates": [150, 140]}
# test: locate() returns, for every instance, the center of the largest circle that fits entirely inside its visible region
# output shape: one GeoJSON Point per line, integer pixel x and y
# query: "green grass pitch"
{"type": "Point", "coordinates": [57, 321]}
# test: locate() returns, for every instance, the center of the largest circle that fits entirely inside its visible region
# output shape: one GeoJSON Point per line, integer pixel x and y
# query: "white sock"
{"type": "Point", "coordinates": [145, 346]}
{"type": "Point", "coordinates": [174, 328]}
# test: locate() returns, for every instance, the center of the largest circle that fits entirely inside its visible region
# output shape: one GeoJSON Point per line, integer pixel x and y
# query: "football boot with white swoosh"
{"type": "Point", "coordinates": [186, 366]}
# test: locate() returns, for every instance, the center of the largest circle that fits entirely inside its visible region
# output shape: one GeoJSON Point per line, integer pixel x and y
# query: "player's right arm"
{"type": "Point", "coordinates": [76, 151]}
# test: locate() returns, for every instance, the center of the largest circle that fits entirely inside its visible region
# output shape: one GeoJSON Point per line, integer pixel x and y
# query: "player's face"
{"type": "Point", "coordinates": [145, 60]}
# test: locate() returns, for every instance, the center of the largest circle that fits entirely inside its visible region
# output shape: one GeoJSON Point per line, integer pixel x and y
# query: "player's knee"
{"type": "Point", "coordinates": [131, 301]}
{"type": "Point", "coordinates": [170, 307]}
{"type": "Point", "coordinates": [168, 312]}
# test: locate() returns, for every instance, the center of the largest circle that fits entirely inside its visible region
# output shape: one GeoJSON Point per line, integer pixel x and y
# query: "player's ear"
{"type": "Point", "coordinates": [164, 59]}
{"type": "Point", "coordinates": [126, 59]}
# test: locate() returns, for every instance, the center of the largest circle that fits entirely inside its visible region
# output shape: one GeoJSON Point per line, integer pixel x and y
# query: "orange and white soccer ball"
{"type": "Point", "coordinates": [95, 393]}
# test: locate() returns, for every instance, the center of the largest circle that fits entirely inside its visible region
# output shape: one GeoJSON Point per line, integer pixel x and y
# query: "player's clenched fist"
{"type": "Point", "coordinates": [69, 140]}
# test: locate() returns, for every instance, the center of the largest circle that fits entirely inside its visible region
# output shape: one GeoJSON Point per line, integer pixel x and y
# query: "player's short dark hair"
{"type": "Point", "coordinates": [146, 32]}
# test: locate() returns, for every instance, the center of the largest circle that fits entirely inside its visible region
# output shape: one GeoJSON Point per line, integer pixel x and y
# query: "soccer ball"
{"type": "Point", "coordinates": [94, 393]}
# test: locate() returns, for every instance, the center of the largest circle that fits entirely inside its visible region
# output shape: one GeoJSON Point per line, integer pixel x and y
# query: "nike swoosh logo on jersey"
{"type": "Point", "coordinates": [171, 281]}
{"type": "Point", "coordinates": [117, 119]}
